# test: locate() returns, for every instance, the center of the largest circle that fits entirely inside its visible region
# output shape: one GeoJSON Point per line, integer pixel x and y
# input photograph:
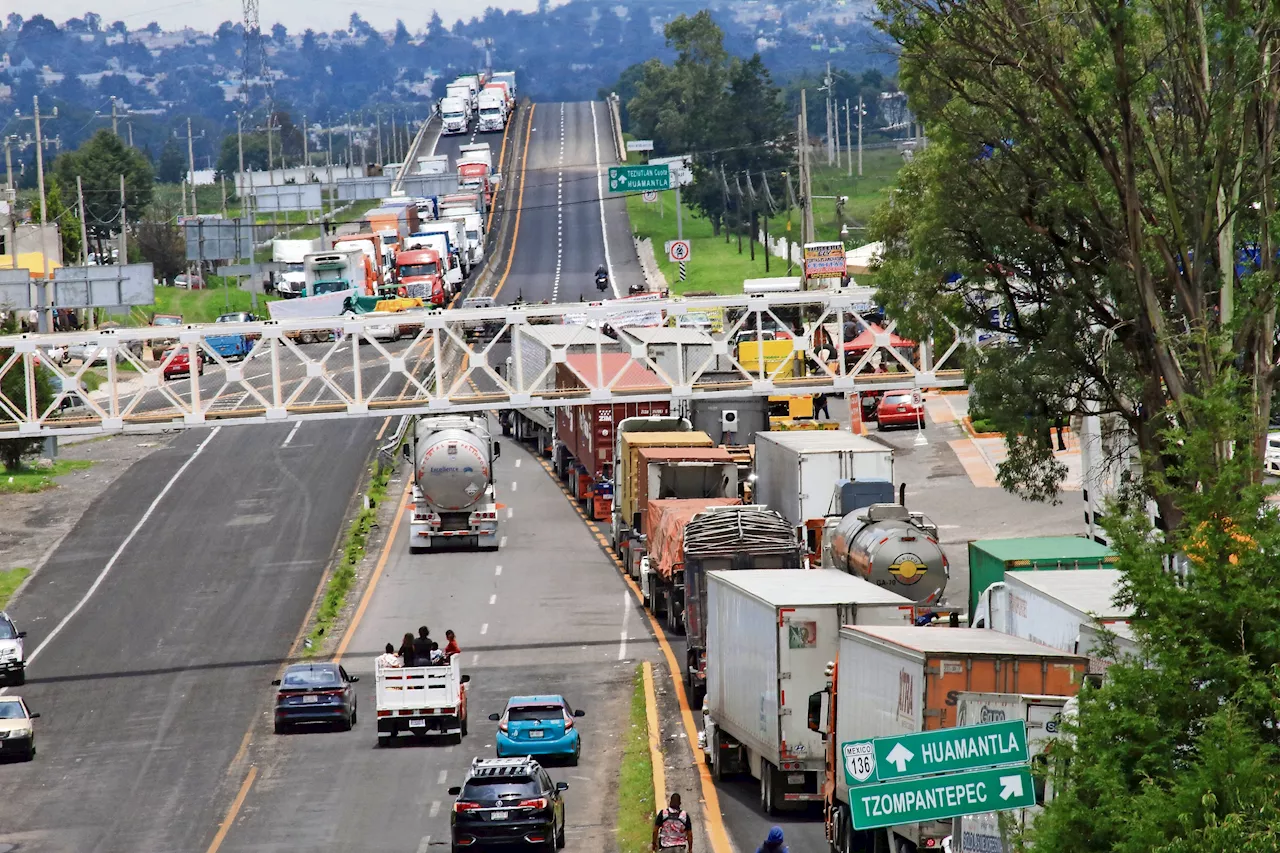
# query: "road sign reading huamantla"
{"type": "Point", "coordinates": [939, 751]}
{"type": "Point", "coordinates": [941, 797]}
{"type": "Point", "coordinates": [634, 179]}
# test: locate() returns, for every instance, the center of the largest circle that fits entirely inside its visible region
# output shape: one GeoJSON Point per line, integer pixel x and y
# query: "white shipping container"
{"type": "Point", "coordinates": [1051, 607]}
{"type": "Point", "coordinates": [770, 635]}
{"type": "Point", "coordinates": [798, 471]}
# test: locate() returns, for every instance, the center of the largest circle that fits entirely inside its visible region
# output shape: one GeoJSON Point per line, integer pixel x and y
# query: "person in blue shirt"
{"type": "Point", "coordinates": [774, 843]}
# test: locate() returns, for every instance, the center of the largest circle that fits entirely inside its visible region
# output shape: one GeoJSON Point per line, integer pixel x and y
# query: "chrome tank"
{"type": "Point", "coordinates": [453, 462]}
{"type": "Point", "coordinates": [892, 548]}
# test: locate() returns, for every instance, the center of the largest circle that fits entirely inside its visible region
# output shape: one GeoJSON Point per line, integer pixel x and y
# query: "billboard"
{"type": "Point", "coordinates": [218, 239]}
{"type": "Point", "coordinates": [824, 260]}
{"type": "Point", "coordinates": [283, 197]}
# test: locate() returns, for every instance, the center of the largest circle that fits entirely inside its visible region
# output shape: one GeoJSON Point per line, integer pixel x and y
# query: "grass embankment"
{"type": "Point", "coordinates": [31, 480]}
{"type": "Point", "coordinates": [718, 266]}
{"type": "Point", "coordinates": [10, 580]}
{"type": "Point", "coordinates": [636, 806]}
{"type": "Point", "coordinates": [353, 550]}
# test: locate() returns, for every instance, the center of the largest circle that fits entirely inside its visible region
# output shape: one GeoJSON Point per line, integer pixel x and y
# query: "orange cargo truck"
{"type": "Point", "coordinates": [892, 681]}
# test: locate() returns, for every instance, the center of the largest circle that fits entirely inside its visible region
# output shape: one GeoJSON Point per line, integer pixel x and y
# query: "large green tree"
{"type": "Point", "coordinates": [1099, 176]}
{"type": "Point", "coordinates": [724, 110]}
{"type": "Point", "coordinates": [1104, 176]}
{"type": "Point", "coordinates": [100, 163]}
{"type": "Point", "coordinates": [59, 212]}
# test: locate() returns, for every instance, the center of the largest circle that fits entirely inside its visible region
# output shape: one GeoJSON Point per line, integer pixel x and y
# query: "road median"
{"type": "Point", "coordinates": [640, 775]}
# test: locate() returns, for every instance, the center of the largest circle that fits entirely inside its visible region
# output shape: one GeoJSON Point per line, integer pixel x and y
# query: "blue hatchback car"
{"type": "Point", "coordinates": [538, 725]}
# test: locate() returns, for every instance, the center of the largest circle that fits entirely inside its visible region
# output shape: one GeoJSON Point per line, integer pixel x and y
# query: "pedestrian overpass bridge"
{"type": "Point", "coordinates": [459, 360]}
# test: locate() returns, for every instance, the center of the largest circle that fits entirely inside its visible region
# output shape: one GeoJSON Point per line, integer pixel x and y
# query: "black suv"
{"type": "Point", "coordinates": [509, 801]}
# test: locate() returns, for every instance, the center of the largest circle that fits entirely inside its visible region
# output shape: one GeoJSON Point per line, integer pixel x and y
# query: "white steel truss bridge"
{"type": "Point", "coordinates": [459, 360]}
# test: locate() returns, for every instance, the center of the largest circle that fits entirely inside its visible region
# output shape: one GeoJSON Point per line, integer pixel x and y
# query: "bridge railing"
{"type": "Point", "coordinates": [458, 360]}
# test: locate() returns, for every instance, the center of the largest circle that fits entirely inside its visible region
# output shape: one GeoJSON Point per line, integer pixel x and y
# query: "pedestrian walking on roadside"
{"type": "Point", "coordinates": [407, 653]}
{"type": "Point", "coordinates": [672, 829]}
{"type": "Point", "coordinates": [774, 843]}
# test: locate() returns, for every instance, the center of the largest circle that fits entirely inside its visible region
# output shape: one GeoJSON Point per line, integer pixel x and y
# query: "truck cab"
{"type": "Point", "coordinates": [420, 275]}
{"type": "Point", "coordinates": [453, 116]}
{"type": "Point", "coordinates": [493, 110]}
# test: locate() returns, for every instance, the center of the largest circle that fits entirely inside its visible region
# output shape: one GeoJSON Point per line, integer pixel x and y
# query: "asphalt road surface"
{"type": "Point", "coordinates": [147, 683]}
{"type": "Point", "coordinates": [561, 240]}
{"type": "Point", "coordinates": [544, 614]}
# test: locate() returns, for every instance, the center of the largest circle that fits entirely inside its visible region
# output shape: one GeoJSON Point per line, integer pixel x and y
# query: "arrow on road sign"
{"type": "Point", "coordinates": [1010, 786]}
{"type": "Point", "coordinates": [900, 755]}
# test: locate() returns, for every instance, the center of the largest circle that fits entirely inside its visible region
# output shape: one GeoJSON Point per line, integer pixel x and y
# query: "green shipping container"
{"type": "Point", "coordinates": [989, 559]}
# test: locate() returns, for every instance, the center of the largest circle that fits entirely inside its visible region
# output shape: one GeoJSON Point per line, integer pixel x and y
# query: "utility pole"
{"type": "Point", "coordinates": [395, 141]}
{"type": "Point", "coordinates": [13, 202]}
{"type": "Point", "coordinates": [84, 232]}
{"type": "Point", "coordinates": [130, 124]}
{"type": "Point", "coordinates": [47, 314]}
{"type": "Point", "coordinates": [191, 162]}
{"type": "Point", "coordinates": [862, 111]}
{"type": "Point", "coordinates": [806, 178]}
{"type": "Point", "coordinates": [124, 230]}
{"type": "Point", "coordinates": [378, 121]}
{"type": "Point", "coordinates": [306, 148]}
{"type": "Point", "coordinates": [832, 136]}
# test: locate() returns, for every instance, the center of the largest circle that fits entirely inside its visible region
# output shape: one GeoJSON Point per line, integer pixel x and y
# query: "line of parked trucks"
{"type": "Point", "coordinates": [489, 100]}
{"type": "Point", "coordinates": [705, 528]}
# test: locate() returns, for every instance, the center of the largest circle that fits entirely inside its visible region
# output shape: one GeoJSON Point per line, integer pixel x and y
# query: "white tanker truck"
{"type": "Point", "coordinates": [453, 493]}
{"type": "Point", "coordinates": [890, 546]}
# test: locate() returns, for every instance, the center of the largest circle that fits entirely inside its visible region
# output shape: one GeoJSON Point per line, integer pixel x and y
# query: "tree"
{"type": "Point", "coordinates": [66, 219]}
{"type": "Point", "coordinates": [160, 239]}
{"type": "Point", "coordinates": [723, 109]}
{"type": "Point", "coordinates": [1192, 769]}
{"type": "Point", "coordinates": [435, 27]}
{"type": "Point", "coordinates": [172, 168]}
{"type": "Point", "coordinates": [1106, 181]}
{"type": "Point", "coordinates": [100, 163]}
{"type": "Point", "coordinates": [401, 37]}
{"type": "Point", "coordinates": [255, 153]}
{"type": "Point", "coordinates": [279, 33]}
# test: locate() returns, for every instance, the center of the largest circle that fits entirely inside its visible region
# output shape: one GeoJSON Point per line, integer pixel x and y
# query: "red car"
{"type": "Point", "coordinates": [180, 363]}
{"type": "Point", "coordinates": [899, 408]}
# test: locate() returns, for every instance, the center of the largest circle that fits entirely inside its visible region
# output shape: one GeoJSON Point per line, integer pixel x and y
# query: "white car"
{"type": "Point", "coordinates": [13, 658]}
{"type": "Point", "coordinates": [17, 733]}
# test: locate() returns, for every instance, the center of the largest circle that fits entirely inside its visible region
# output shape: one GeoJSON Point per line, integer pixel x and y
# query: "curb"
{"type": "Point", "coordinates": [655, 748]}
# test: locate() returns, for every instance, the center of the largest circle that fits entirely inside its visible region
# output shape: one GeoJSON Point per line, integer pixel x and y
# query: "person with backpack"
{"type": "Point", "coordinates": [672, 829]}
{"type": "Point", "coordinates": [774, 843]}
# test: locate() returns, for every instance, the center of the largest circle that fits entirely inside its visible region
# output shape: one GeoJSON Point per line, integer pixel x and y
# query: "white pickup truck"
{"type": "Point", "coordinates": [421, 700]}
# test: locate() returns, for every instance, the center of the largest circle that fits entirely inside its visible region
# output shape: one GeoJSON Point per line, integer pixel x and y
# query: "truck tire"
{"type": "Point", "coordinates": [717, 761]}
{"type": "Point", "coordinates": [767, 786]}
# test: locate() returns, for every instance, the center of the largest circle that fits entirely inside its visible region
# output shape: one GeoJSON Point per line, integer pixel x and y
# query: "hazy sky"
{"type": "Point", "coordinates": [294, 14]}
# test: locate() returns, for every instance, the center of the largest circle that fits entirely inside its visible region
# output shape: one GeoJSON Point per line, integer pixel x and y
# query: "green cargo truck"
{"type": "Point", "coordinates": [989, 559]}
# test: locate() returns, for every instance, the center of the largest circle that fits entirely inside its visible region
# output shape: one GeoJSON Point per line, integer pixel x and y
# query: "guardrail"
{"type": "Point", "coordinates": [412, 158]}
{"type": "Point", "coordinates": [615, 119]}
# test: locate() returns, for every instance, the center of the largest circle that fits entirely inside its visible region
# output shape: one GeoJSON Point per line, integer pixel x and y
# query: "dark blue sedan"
{"type": "Point", "coordinates": [315, 693]}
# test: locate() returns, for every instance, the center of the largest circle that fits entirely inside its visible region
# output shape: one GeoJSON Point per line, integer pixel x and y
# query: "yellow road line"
{"type": "Point", "coordinates": [377, 574]}
{"type": "Point", "coordinates": [385, 424]}
{"type": "Point", "coordinates": [502, 153]}
{"type": "Point", "coordinates": [234, 811]}
{"type": "Point", "coordinates": [655, 750]}
{"type": "Point", "coordinates": [515, 234]}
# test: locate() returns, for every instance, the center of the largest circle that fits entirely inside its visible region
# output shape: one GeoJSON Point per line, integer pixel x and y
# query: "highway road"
{"type": "Point", "coordinates": [563, 218]}
{"type": "Point", "coordinates": [544, 614]}
{"type": "Point", "coordinates": [155, 625]}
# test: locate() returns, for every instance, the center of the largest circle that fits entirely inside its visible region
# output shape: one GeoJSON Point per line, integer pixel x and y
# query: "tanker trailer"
{"type": "Point", "coordinates": [453, 491]}
{"type": "Point", "coordinates": [891, 547]}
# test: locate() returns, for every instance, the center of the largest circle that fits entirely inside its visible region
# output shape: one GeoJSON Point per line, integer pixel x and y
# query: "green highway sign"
{"type": "Point", "coordinates": [941, 797]}
{"type": "Point", "coordinates": [939, 751]}
{"type": "Point", "coordinates": [638, 179]}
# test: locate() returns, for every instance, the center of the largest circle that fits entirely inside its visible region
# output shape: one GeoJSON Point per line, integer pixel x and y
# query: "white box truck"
{"type": "Point", "coordinates": [798, 471]}
{"type": "Point", "coordinates": [1061, 609]}
{"type": "Point", "coordinates": [892, 680]}
{"type": "Point", "coordinates": [770, 635]}
{"type": "Point", "coordinates": [454, 116]}
{"type": "Point", "coordinates": [421, 700]}
{"type": "Point", "coordinates": [991, 832]}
